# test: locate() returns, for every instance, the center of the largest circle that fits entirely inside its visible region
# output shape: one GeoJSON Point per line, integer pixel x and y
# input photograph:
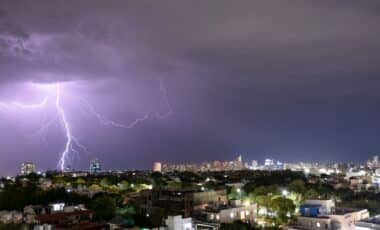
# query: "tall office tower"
{"type": "Point", "coordinates": [239, 158]}
{"type": "Point", "coordinates": [27, 168]}
{"type": "Point", "coordinates": [157, 167]}
{"type": "Point", "coordinates": [255, 165]}
{"type": "Point", "coordinates": [95, 166]}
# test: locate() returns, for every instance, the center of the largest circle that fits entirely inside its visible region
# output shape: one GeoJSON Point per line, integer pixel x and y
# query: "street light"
{"type": "Point", "coordinates": [238, 190]}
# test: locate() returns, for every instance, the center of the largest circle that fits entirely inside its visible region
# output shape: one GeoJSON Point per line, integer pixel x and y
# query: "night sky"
{"type": "Point", "coordinates": [290, 80]}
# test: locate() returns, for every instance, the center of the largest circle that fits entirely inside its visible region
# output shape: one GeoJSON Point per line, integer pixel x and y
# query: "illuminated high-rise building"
{"type": "Point", "coordinates": [238, 163]}
{"type": "Point", "coordinates": [95, 166]}
{"type": "Point", "coordinates": [374, 163]}
{"type": "Point", "coordinates": [239, 158]}
{"type": "Point", "coordinates": [255, 165]}
{"type": "Point", "coordinates": [269, 162]}
{"type": "Point", "coordinates": [157, 167]}
{"type": "Point", "coordinates": [27, 168]}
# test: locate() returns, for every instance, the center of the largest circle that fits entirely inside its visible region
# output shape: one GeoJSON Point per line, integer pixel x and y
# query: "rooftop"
{"type": "Point", "coordinates": [372, 220]}
{"type": "Point", "coordinates": [61, 215]}
{"type": "Point", "coordinates": [311, 206]}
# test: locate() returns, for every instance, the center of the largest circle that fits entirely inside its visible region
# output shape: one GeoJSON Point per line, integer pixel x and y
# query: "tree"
{"type": "Point", "coordinates": [124, 185]}
{"type": "Point", "coordinates": [104, 207]}
{"type": "Point", "coordinates": [95, 188]}
{"type": "Point", "coordinates": [311, 194]}
{"type": "Point", "coordinates": [105, 182]}
{"type": "Point", "coordinates": [79, 181]}
{"type": "Point", "coordinates": [283, 207]}
{"type": "Point", "coordinates": [344, 193]}
{"type": "Point", "coordinates": [297, 186]}
{"type": "Point", "coordinates": [127, 211]}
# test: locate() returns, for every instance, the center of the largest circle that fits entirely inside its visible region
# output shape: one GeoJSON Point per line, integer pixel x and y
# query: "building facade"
{"type": "Point", "coordinates": [95, 166]}
{"type": "Point", "coordinates": [27, 168]}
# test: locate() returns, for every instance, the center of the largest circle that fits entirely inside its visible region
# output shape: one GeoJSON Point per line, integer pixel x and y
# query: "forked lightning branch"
{"type": "Point", "coordinates": [72, 145]}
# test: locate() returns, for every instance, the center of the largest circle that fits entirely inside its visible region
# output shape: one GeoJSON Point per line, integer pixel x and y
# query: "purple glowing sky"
{"type": "Point", "coordinates": [295, 80]}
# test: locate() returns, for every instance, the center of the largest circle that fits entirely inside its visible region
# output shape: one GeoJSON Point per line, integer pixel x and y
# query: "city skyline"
{"type": "Point", "coordinates": [137, 82]}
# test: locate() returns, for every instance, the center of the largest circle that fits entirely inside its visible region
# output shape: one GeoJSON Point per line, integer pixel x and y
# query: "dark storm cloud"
{"type": "Point", "coordinates": [241, 70]}
{"type": "Point", "coordinates": [97, 39]}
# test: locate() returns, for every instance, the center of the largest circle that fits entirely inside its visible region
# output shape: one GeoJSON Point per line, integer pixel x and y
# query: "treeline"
{"type": "Point", "coordinates": [16, 197]}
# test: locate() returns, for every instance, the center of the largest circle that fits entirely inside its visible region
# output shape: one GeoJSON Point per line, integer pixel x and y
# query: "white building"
{"type": "Point", "coordinates": [239, 159]}
{"type": "Point", "coordinates": [157, 167]}
{"type": "Point", "coordinates": [179, 223]}
{"type": "Point", "coordinates": [355, 173]}
{"type": "Point", "coordinates": [43, 227]}
{"type": "Point", "coordinates": [27, 168]}
{"type": "Point", "coordinates": [337, 221]}
{"type": "Point", "coordinates": [245, 213]}
{"type": "Point", "coordinates": [372, 223]}
{"type": "Point", "coordinates": [255, 165]}
{"type": "Point", "coordinates": [322, 214]}
{"type": "Point", "coordinates": [269, 162]}
{"type": "Point", "coordinates": [11, 217]}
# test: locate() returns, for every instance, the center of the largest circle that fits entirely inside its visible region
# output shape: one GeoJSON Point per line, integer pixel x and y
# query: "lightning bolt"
{"type": "Point", "coordinates": [39, 105]}
{"type": "Point", "coordinates": [67, 129]}
{"type": "Point", "coordinates": [72, 145]}
{"type": "Point", "coordinates": [106, 121]}
{"type": "Point", "coordinates": [164, 93]}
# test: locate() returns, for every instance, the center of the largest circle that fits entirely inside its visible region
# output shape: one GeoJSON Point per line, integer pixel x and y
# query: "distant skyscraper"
{"type": "Point", "coordinates": [239, 158]}
{"type": "Point", "coordinates": [255, 165]}
{"type": "Point", "coordinates": [269, 162]}
{"type": "Point", "coordinates": [27, 168]}
{"type": "Point", "coordinates": [95, 166]}
{"type": "Point", "coordinates": [157, 167]}
{"type": "Point", "coordinates": [374, 163]}
{"type": "Point", "coordinates": [238, 163]}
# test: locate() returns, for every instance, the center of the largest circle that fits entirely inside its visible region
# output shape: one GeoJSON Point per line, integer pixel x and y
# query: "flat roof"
{"type": "Point", "coordinates": [372, 220]}
{"type": "Point", "coordinates": [311, 205]}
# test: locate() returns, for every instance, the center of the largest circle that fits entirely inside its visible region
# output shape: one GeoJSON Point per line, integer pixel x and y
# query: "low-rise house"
{"type": "Point", "coordinates": [180, 201]}
{"type": "Point", "coordinates": [31, 211]}
{"type": "Point", "coordinates": [65, 218]}
{"type": "Point", "coordinates": [372, 223]}
{"type": "Point", "coordinates": [317, 207]}
{"type": "Point", "coordinates": [231, 213]}
{"type": "Point", "coordinates": [56, 214]}
{"type": "Point", "coordinates": [178, 223]}
{"type": "Point", "coordinates": [11, 217]}
{"type": "Point", "coordinates": [322, 215]}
